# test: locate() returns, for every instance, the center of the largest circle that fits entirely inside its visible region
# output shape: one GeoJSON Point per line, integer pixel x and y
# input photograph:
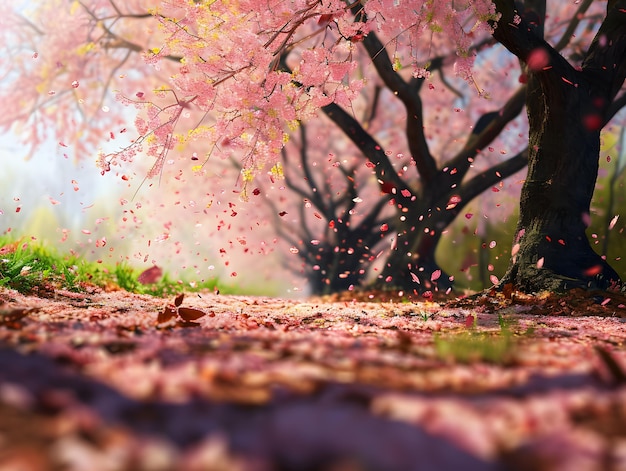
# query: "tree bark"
{"type": "Point", "coordinates": [566, 110]}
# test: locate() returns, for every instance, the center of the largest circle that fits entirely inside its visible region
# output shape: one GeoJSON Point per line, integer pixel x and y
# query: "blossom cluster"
{"type": "Point", "coordinates": [252, 71]}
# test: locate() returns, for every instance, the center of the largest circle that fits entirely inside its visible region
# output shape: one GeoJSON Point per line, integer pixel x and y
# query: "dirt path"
{"type": "Point", "coordinates": [115, 381]}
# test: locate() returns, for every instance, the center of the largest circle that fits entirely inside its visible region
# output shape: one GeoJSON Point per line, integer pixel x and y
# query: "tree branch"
{"type": "Point", "coordinates": [476, 142]}
{"type": "Point", "coordinates": [481, 182]}
{"type": "Point", "coordinates": [366, 144]}
{"type": "Point", "coordinates": [520, 38]}
{"type": "Point", "coordinates": [571, 27]}
{"type": "Point", "coordinates": [424, 161]}
{"type": "Point", "coordinates": [605, 62]}
{"type": "Point", "coordinates": [614, 108]}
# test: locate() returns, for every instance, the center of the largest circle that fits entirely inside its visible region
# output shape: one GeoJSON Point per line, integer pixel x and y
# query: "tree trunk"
{"type": "Point", "coordinates": [338, 270]}
{"type": "Point", "coordinates": [411, 266]}
{"type": "Point", "coordinates": [566, 108]}
{"type": "Point", "coordinates": [551, 250]}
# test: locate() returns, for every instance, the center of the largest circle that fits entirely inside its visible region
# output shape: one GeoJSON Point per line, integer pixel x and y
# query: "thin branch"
{"type": "Point", "coordinates": [571, 27]}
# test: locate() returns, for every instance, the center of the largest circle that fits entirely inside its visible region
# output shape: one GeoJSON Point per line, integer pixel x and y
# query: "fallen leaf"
{"type": "Point", "coordinates": [190, 314]}
{"type": "Point", "coordinates": [14, 314]}
{"type": "Point", "coordinates": [167, 314]}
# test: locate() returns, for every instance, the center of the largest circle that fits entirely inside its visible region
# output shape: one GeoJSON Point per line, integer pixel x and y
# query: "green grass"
{"type": "Point", "coordinates": [29, 267]}
{"type": "Point", "coordinates": [471, 346]}
{"type": "Point", "coordinates": [493, 346]}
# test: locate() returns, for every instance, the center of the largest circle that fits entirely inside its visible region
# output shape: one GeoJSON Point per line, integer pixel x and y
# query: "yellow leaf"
{"type": "Point", "coordinates": [85, 48]}
{"type": "Point", "coordinates": [75, 6]}
{"type": "Point", "coordinates": [277, 171]}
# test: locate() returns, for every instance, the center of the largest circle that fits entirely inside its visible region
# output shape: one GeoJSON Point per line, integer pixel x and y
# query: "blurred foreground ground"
{"type": "Point", "coordinates": [115, 381]}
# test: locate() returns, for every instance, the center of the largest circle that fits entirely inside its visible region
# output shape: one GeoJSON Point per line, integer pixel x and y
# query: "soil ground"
{"type": "Point", "coordinates": [108, 380]}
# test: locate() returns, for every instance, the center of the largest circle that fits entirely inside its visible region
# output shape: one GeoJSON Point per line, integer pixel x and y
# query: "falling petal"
{"type": "Point", "coordinates": [593, 270]}
{"type": "Point", "coordinates": [613, 222]}
{"type": "Point", "coordinates": [538, 59]}
{"type": "Point", "coordinates": [435, 275]}
{"type": "Point", "coordinates": [593, 121]}
{"type": "Point", "coordinates": [453, 202]}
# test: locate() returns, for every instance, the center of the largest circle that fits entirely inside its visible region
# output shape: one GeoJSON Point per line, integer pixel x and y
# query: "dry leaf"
{"type": "Point", "coordinates": [168, 313]}
{"type": "Point", "coordinates": [14, 314]}
{"type": "Point", "coordinates": [190, 314]}
{"type": "Point", "coordinates": [150, 276]}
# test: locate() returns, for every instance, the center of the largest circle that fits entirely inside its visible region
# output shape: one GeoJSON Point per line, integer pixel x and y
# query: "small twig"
{"type": "Point", "coordinates": [618, 375]}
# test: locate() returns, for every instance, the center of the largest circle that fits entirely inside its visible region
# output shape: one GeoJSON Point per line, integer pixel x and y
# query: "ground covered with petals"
{"type": "Point", "coordinates": [115, 381]}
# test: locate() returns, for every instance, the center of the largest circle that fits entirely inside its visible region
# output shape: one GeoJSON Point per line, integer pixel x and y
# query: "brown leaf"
{"type": "Point", "coordinates": [150, 276]}
{"type": "Point", "coordinates": [186, 324]}
{"type": "Point", "coordinates": [14, 314]}
{"type": "Point", "coordinates": [179, 299]}
{"type": "Point", "coordinates": [168, 313]}
{"type": "Point", "coordinates": [190, 314]}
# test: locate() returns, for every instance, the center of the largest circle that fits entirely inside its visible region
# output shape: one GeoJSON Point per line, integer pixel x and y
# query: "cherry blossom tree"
{"type": "Point", "coordinates": [567, 107]}
{"type": "Point", "coordinates": [240, 78]}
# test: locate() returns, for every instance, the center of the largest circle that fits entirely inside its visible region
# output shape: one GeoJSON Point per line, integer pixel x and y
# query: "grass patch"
{"type": "Point", "coordinates": [25, 267]}
{"type": "Point", "coordinates": [30, 267]}
{"type": "Point", "coordinates": [474, 346]}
